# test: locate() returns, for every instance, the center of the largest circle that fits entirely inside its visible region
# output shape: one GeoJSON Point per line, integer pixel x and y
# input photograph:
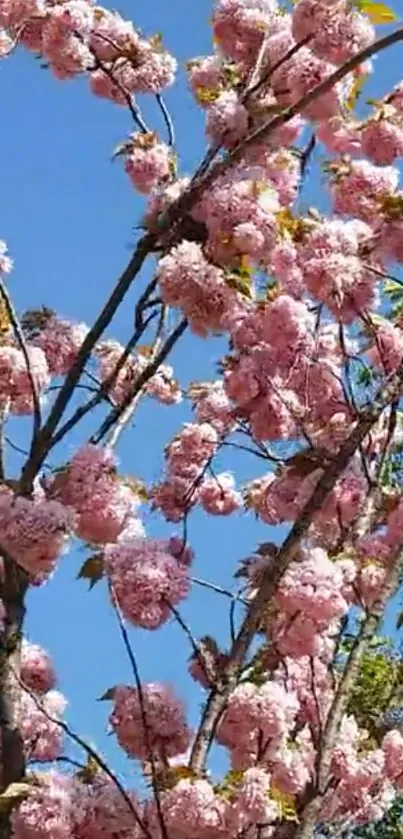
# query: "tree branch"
{"type": "Point", "coordinates": [92, 753]}
{"type": "Point", "coordinates": [285, 555]}
{"type": "Point", "coordinates": [40, 448]}
{"type": "Point", "coordinates": [12, 590]}
{"type": "Point", "coordinates": [309, 816]}
{"type": "Point", "coordinates": [144, 377]}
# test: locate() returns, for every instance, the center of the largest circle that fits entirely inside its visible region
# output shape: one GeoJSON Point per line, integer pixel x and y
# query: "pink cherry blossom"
{"type": "Point", "coordinates": [61, 340]}
{"type": "Point", "coordinates": [146, 578]}
{"type": "Point", "coordinates": [91, 486]}
{"type": "Point", "coordinates": [36, 668]}
{"type": "Point", "coordinates": [218, 495]}
{"type": "Point", "coordinates": [167, 733]}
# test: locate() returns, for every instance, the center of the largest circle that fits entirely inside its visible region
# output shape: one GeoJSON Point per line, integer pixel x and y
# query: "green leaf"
{"type": "Point", "coordinates": [378, 13]}
{"type": "Point", "coordinates": [364, 376]}
{"type": "Point", "coordinates": [240, 283]}
{"type": "Point", "coordinates": [89, 771]}
{"type": "Point", "coordinates": [286, 804]}
{"type": "Point", "coordinates": [92, 570]}
{"type": "Point", "coordinates": [356, 91]}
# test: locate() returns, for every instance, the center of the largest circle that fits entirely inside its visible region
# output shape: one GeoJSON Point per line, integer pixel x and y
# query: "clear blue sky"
{"type": "Point", "coordinates": [68, 216]}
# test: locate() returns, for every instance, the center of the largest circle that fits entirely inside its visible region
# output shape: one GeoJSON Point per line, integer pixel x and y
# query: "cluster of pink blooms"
{"type": "Point", "coordinates": [187, 280]}
{"type": "Point", "coordinates": [166, 733]}
{"type": "Point", "coordinates": [90, 485]}
{"type": "Point", "coordinates": [148, 162]}
{"type": "Point", "coordinates": [284, 380]}
{"type": "Point", "coordinates": [43, 738]}
{"type": "Point", "coordinates": [161, 386]}
{"type": "Point", "coordinates": [77, 37]}
{"type": "Point", "coordinates": [60, 340]}
{"type": "Point", "coordinates": [309, 599]}
{"type": "Point", "coordinates": [281, 498]}
{"type": "Point", "coordinates": [186, 457]}
{"type": "Point", "coordinates": [37, 671]}
{"type": "Point", "coordinates": [16, 386]}
{"type": "Point", "coordinates": [218, 496]}
{"type": "Point", "coordinates": [147, 578]}
{"type": "Point", "coordinates": [34, 530]}
{"type": "Point", "coordinates": [41, 706]}
{"type": "Point", "coordinates": [63, 806]}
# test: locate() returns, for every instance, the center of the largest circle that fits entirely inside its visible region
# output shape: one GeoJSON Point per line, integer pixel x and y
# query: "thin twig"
{"type": "Point", "coordinates": [383, 275]}
{"type": "Point", "coordinates": [99, 64]}
{"type": "Point", "coordinates": [219, 590]}
{"type": "Point", "coordinates": [90, 752]}
{"type": "Point", "coordinates": [257, 453]}
{"type": "Point", "coordinates": [132, 658]}
{"type": "Point", "coordinates": [195, 646]}
{"type": "Point", "coordinates": [109, 382]}
{"type": "Point", "coordinates": [144, 377]}
{"type": "Point", "coordinates": [127, 415]}
{"type": "Point", "coordinates": [276, 66]}
{"type": "Point", "coordinates": [167, 119]}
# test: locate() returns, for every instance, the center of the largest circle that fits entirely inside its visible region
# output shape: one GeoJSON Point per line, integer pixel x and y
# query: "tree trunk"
{"type": "Point", "coordinates": [12, 763]}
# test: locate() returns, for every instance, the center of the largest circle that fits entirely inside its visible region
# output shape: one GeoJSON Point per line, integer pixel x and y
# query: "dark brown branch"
{"type": "Point", "coordinates": [43, 441]}
{"type": "Point", "coordinates": [286, 554]}
{"type": "Point", "coordinates": [12, 592]}
{"type": "Point", "coordinates": [105, 386]}
{"type": "Point", "coordinates": [144, 377]}
{"type": "Point", "coordinates": [309, 816]}
{"type": "Point", "coordinates": [197, 650]}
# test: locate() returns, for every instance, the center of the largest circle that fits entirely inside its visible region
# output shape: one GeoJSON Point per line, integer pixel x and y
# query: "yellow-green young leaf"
{"type": "Point", "coordinates": [378, 13]}
{"type": "Point", "coordinates": [285, 803]}
{"type": "Point", "coordinates": [356, 90]}
{"type": "Point", "coordinates": [240, 283]}
{"type": "Point", "coordinates": [89, 771]}
{"type": "Point", "coordinates": [13, 795]}
{"type": "Point", "coordinates": [92, 570]}
{"type": "Point", "coordinates": [138, 487]}
{"type": "Point", "coordinates": [4, 319]}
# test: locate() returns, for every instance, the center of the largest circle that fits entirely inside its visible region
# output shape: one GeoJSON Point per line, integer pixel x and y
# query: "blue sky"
{"type": "Point", "coordinates": [68, 215]}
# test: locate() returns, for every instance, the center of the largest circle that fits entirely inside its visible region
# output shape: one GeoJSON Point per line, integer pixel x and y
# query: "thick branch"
{"type": "Point", "coordinates": [286, 554]}
{"type": "Point", "coordinates": [13, 588]}
{"type": "Point", "coordinates": [310, 814]}
{"type": "Point", "coordinates": [169, 224]}
{"type": "Point", "coordinates": [143, 378]}
{"type": "Point", "coordinates": [41, 446]}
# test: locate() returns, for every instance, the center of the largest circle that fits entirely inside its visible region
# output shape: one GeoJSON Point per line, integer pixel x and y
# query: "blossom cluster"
{"type": "Point", "coordinates": [295, 294]}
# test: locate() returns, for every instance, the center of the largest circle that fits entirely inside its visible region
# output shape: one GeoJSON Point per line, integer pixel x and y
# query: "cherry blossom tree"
{"type": "Point", "coordinates": [305, 697]}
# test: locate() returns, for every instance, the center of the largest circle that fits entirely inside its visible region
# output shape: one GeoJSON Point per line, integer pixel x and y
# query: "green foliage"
{"type": "Point", "coordinates": [390, 827]}
{"type": "Point", "coordinates": [378, 687]}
